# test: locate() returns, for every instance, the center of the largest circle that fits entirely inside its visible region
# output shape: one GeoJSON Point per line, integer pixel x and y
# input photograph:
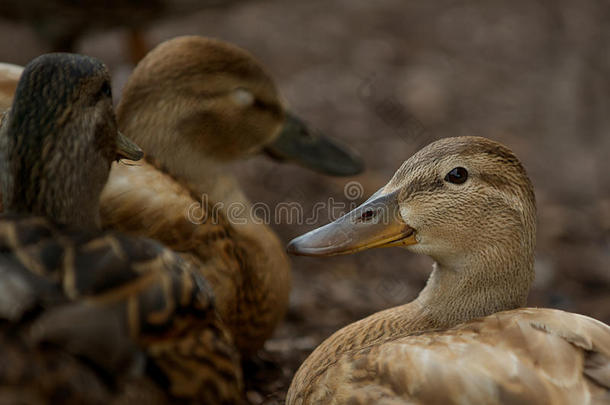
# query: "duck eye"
{"type": "Point", "coordinates": [457, 175]}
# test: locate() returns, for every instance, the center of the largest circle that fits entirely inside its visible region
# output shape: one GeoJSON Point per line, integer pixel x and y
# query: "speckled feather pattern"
{"type": "Point", "coordinates": [59, 116]}
{"type": "Point", "coordinates": [462, 341]}
{"type": "Point", "coordinates": [143, 320]}
{"type": "Point", "coordinates": [141, 295]}
{"type": "Point", "coordinates": [524, 356]}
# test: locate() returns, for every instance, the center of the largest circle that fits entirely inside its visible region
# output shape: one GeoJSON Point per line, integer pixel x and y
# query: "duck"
{"type": "Point", "coordinates": [87, 315]}
{"type": "Point", "coordinates": [467, 203]}
{"type": "Point", "coordinates": [195, 105]}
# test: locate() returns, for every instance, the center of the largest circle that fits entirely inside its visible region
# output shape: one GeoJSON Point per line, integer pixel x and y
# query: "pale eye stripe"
{"type": "Point", "coordinates": [242, 97]}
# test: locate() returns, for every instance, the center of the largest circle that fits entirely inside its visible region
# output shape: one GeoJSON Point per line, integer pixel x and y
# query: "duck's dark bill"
{"type": "Point", "coordinates": [127, 149]}
{"type": "Point", "coordinates": [376, 223]}
{"type": "Point", "coordinates": [299, 144]}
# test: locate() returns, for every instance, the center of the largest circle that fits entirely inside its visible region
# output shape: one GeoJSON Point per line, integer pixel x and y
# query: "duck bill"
{"type": "Point", "coordinates": [376, 223]}
{"type": "Point", "coordinates": [127, 149]}
{"type": "Point", "coordinates": [299, 144]}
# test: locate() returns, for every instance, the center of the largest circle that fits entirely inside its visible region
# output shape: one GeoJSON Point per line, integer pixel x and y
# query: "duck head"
{"type": "Point", "coordinates": [59, 139]}
{"type": "Point", "coordinates": [466, 202]}
{"type": "Point", "coordinates": [193, 97]}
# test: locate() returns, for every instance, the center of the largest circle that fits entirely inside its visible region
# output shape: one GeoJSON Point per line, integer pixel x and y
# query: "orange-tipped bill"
{"type": "Point", "coordinates": [376, 223]}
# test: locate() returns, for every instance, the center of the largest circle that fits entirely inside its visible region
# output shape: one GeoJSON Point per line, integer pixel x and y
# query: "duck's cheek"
{"type": "Point", "coordinates": [434, 242]}
{"type": "Point", "coordinates": [409, 216]}
{"type": "Point", "coordinates": [431, 233]}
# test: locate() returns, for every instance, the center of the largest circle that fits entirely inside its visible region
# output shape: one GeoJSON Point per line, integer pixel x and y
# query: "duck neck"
{"type": "Point", "coordinates": [212, 182]}
{"type": "Point", "coordinates": [64, 203]}
{"type": "Point", "coordinates": [476, 288]}
{"type": "Point", "coordinates": [158, 135]}
{"type": "Point", "coordinates": [36, 179]}
{"type": "Point", "coordinates": [455, 293]}
{"type": "Point", "coordinates": [482, 284]}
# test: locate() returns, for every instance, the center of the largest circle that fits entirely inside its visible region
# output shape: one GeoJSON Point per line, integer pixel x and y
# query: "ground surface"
{"type": "Point", "coordinates": [387, 77]}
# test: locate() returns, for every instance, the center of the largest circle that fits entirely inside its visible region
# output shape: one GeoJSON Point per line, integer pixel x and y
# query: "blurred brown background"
{"type": "Point", "coordinates": [388, 77]}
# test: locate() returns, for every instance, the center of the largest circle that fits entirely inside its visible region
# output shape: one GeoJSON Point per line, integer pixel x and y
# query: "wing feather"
{"type": "Point", "coordinates": [525, 356]}
{"type": "Point", "coordinates": [111, 298]}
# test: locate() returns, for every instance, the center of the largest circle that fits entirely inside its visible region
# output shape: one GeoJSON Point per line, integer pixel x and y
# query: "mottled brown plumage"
{"type": "Point", "coordinates": [130, 299]}
{"type": "Point", "coordinates": [123, 303]}
{"type": "Point", "coordinates": [453, 344]}
{"type": "Point", "coordinates": [194, 104]}
{"type": "Point", "coordinates": [125, 313]}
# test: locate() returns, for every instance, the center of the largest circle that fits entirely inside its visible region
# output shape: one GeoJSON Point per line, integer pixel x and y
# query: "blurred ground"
{"type": "Point", "coordinates": [388, 77]}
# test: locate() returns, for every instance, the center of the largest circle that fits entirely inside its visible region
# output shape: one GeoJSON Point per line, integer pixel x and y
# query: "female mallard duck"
{"type": "Point", "coordinates": [69, 291]}
{"type": "Point", "coordinates": [195, 104]}
{"type": "Point", "coordinates": [467, 203]}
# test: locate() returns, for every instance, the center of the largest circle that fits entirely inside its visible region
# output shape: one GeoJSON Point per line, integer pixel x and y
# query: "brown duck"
{"type": "Point", "coordinates": [88, 316]}
{"type": "Point", "coordinates": [194, 105]}
{"type": "Point", "coordinates": [467, 203]}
